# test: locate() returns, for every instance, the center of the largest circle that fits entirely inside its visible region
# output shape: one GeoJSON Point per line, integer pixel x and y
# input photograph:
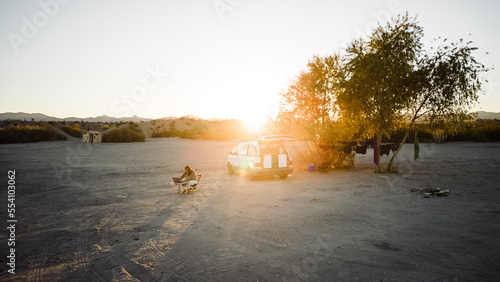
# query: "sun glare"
{"type": "Point", "coordinates": [250, 99]}
{"type": "Point", "coordinates": [255, 123]}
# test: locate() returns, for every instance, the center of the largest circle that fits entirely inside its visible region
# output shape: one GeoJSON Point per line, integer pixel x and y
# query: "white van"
{"type": "Point", "coordinates": [267, 156]}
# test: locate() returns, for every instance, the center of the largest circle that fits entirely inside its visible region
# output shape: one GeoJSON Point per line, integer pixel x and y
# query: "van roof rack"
{"type": "Point", "coordinates": [278, 138]}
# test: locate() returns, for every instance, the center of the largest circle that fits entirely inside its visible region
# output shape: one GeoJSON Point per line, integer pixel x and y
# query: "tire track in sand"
{"type": "Point", "coordinates": [85, 271]}
{"type": "Point", "coordinates": [37, 265]}
{"type": "Point", "coordinates": [125, 259]}
{"type": "Point", "coordinates": [173, 218]}
{"type": "Point", "coordinates": [181, 269]}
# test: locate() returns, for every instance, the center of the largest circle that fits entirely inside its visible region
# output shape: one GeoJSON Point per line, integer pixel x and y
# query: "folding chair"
{"type": "Point", "coordinates": [192, 187]}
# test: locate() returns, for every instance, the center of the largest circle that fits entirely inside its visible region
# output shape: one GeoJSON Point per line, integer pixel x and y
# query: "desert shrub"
{"type": "Point", "coordinates": [425, 134]}
{"type": "Point", "coordinates": [196, 132]}
{"type": "Point", "coordinates": [165, 133]}
{"type": "Point", "coordinates": [224, 130]}
{"type": "Point", "coordinates": [192, 133]}
{"type": "Point", "coordinates": [130, 133]}
{"type": "Point", "coordinates": [120, 123]}
{"type": "Point", "coordinates": [29, 134]}
{"type": "Point", "coordinates": [308, 152]}
{"type": "Point", "coordinates": [304, 153]}
{"type": "Point", "coordinates": [483, 131]}
{"type": "Point", "coordinates": [189, 134]}
{"type": "Point", "coordinates": [73, 130]}
{"type": "Point", "coordinates": [480, 131]}
{"type": "Point", "coordinates": [491, 130]}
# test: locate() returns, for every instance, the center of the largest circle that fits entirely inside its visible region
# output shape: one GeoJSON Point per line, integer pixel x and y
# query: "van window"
{"type": "Point", "coordinates": [235, 149]}
{"type": "Point", "coordinates": [243, 149]}
{"type": "Point", "coordinates": [272, 148]}
{"type": "Point", "coordinates": [252, 151]}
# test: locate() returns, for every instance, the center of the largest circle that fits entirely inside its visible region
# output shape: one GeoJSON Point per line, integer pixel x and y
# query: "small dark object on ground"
{"type": "Point", "coordinates": [386, 246]}
{"type": "Point", "coordinates": [324, 167]}
{"type": "Point", "coordinates": [431, 192]}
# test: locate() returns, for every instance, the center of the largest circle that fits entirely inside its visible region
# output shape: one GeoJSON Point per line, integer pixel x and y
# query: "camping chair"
{"type": "Point", "coordinates": [192, 187]}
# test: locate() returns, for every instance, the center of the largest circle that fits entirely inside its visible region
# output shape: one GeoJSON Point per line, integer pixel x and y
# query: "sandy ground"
{"type": "Point", "coordinates": [104, 212]}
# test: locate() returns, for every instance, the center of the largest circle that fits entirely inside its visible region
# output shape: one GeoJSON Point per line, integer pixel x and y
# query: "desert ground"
{"type": "Point", "coordinates": [104, 212]}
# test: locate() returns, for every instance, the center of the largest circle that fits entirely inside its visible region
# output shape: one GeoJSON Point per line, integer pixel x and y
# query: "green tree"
{"type": "Point", "coordinates": [449, 82]}
{"type": "Point", "coordinates": [378, 79]}
{"type": "Point", "coordinates": [390, 79]}
{"type": "Point", "coordinates": [309, 99]}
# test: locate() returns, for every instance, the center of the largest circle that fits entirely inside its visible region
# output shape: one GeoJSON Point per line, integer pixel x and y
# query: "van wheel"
{"type": "Point", "coordinates": [230, 169]}
{"type": "Point", "coordinates": [283, 176]}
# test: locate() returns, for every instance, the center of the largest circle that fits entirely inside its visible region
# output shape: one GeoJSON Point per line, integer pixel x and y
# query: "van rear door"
{"type": "Point", "coordinates": [273, 155]}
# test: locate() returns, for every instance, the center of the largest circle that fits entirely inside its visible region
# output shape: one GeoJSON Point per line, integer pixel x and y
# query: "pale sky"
{"type": "Point", "coordinates": [211, 58]}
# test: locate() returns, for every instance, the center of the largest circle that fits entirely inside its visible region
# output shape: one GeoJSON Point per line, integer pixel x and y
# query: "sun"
{"type": "Point", "coordinates": [252, 99]}
{"type": "Point", "coordinates": [255, 122]}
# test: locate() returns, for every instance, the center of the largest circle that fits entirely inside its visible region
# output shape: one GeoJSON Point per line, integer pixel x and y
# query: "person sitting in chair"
{"type": "Point", "coordinates": [188, 176]}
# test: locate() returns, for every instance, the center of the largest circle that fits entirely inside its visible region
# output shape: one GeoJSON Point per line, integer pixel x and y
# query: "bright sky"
{"type": "Point", "coordinates": [210, 58]}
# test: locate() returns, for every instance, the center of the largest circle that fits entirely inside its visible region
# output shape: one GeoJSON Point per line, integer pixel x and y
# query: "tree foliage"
{"type": "Point", "coordinates": [378, 77]}
{"type": "Point", "coordinates": [73, 130]}
{"type": "Point", "coordinates": [309, 101]}
{"type": "Point", "coordinates": [384, 82]}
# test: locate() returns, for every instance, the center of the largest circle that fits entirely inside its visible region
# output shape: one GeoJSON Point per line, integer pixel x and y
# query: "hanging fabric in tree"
{"type": "Point", "coordinates": [416, 148]}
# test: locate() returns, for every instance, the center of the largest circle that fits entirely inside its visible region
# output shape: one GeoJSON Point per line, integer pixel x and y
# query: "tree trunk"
{"type": "Point", "coordinates": [389, 165]}
{"type": "Point", "coordinates": [379, 140]}
{"type": "Point", "coordinates": [415, 116]}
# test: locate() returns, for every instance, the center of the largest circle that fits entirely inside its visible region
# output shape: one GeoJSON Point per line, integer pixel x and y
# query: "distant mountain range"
{"type": "Point", "coordinates": [103, 118]}
{"type": "Point", "coordinates": [488, 115]}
